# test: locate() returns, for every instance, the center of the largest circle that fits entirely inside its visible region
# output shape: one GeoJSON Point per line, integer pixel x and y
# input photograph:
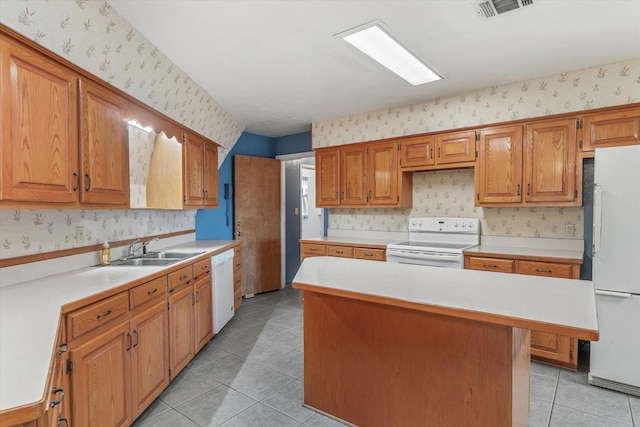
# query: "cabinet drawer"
{"type": "Point", "coordinates": [201, 268]}
{"type": "Point", "coordinates": [340, 251]}
{"type": "Point", "coordinates": [550, 269]}
{"type": "Point", "coordinates": [180, 277]}
{"type": "Point", "coordinates": [87, 319]}
{"type": "Point", "coordinates": [147, 291]}
{"type": "Point", "coordinates": [492, 264]}
{"type": "Point", "coordinates": [310, 249]}
{"type": "Point", "coordinates": [370, 254]}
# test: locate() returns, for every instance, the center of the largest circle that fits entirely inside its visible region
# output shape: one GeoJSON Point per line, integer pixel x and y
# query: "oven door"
{"type": "Point", "coordinates": [432, 259]}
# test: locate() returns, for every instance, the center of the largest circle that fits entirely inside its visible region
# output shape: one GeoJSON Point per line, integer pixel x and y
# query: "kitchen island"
{"type": "Point", "coordinates": [391, 344]}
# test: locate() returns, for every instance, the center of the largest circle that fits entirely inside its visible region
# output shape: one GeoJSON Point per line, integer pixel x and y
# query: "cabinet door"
{"type": "Point", "coordinates": [383, 168]}
{"type": "Point", "coordinates": [193, 170]}
{"type": "Point", "coordinates": [149, 355]}
{"type": "Point", "coordinates": [181, 348]}
{"type": "Point", "coordinates": [417, 152]}
{"type": "Point", "coordinates": [353, 176]}
{"type": "Point", "coordinates": [39, 144]}
{"type": "Point", "coordinates": [328, 177]}
{"type": "Point", "coordinates": [498, 172]}
{"type": "Point", "coordinates": [203, 314]}
{"type": "Point", "coordinates": [100, 379]}
{"type": "Point", "coordinates": [210, 175]}
{"type": "Point", "coordinates": [104, 146]}
{"type": "Point", "coordinates": [550, 161]}
{"type": "Point", "coordinates": [611, 129]}
{"type": "Point", "coordinates": [457, 147]}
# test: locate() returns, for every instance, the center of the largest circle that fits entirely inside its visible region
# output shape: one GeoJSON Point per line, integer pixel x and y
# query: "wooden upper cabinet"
{"type": "Point", "coordinates": [620, 127]}
{"type": "Point", "coordinates": [498, 172]}
{"type": "Point", "coordinates": [550, 161]}
{"type": "Point", "coordinates": [456, 147]}
{"type": "Point", "coordinates": [382, 168]}
{"type": "Point", "coordinates": [210, 174]}
{"type": "Point", "coordinates": [418, 151]}
{"type": "Point", "coordinates": [353, 179]}
{"type": "Point", "coordinates": [104, 146]}
{"type": "Point", "coordinates": [39, 144]}
{"type": "Point", "coordinates": [200, 172]}
{"type": "Point", "coordinates": [328, 177]}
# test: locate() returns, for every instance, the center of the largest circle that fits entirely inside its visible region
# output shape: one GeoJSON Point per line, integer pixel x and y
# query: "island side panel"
{"type": "Point", "coordinates": [377, 365]}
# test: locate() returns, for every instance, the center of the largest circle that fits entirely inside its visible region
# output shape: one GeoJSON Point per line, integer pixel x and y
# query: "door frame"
{"type": "Point", "coordinates": [283, 211]}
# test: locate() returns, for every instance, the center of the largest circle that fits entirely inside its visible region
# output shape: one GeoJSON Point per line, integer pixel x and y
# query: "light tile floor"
{"type": "Point", "coordinates": [251, 374]}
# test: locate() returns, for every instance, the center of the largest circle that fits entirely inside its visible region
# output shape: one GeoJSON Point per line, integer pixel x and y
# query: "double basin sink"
{"type": "Point", "coordinates": [155, 259]}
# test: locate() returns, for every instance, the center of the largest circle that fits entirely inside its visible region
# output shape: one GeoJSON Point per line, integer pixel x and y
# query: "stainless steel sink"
{"type": "Point", "coordinates": [136, 262]}
{"type": "Point", "coordinates": [155, 259]}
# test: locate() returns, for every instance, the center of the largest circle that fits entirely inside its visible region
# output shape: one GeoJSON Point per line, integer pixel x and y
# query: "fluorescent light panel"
{"type": "Point", "coordinates": [374, 41]}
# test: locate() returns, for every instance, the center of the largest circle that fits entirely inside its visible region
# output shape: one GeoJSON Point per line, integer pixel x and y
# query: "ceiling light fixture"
{"type": "Point", "coordinates": [374, 40]}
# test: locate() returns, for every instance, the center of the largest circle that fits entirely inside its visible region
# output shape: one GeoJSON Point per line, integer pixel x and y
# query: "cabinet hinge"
{"type": "Point", "coordinates": [367, 150]}
{"type": "Point", "coordinates": [580, 144]}
{"type": "Point", "coordinates": [69, 365]}
{"type": "Point", "coordinates": [184, 137]}
{"type": "Point", "coordinates": [399, 147]}
{"type": "Point", "coordinates": [571, 354]}
{"type": "Point", "coordinates": [478, 196]}
{"type": "Point", "coordinates": [168, 306]}
{"type": "Point", "coordinates": [398, 198]}
{"type": "Point", "coordinates": [576, 196]}
{"type": "Point", "coordinates": [476, 154]}
{"type": "Point", "coordinates": [169, 373]}
{"type": "Point", "coordinates": [579, 124]}
{"type": "Point", "coordinates": [477, 136]}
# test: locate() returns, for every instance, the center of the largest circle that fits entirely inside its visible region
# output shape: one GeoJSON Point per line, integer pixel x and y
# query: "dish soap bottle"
{"type": "Point", "coordinates": [105, 254]}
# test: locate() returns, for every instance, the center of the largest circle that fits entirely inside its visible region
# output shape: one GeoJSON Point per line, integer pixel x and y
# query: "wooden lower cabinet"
{"type": "Point", "coordinates": [203, 312]}
{"type": "Point", "coordinates": [549, 348]}
{"type": "Point", "coordinates": [181, 331]}
{"type": "Point", "coordinates": [343, 250]}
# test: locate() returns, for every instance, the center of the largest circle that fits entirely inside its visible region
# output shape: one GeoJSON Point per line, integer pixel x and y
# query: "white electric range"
{"type": "Point", "coordinates": [436, 242]}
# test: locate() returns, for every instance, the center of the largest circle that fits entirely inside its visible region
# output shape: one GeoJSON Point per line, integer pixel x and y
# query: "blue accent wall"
{"type": "Point", "coordinates": [290, 144]}
{"type": "Point", "coordinates": [217, 224]}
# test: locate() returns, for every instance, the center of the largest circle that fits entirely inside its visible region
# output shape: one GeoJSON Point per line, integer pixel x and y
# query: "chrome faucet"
{"type": "Point", "coordinates": [132, 247]}
{"type": "Point", "coordinates": [144, 245]}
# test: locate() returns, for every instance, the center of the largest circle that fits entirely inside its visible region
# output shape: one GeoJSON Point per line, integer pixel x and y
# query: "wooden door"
{"type": "Point", "coordinates": [257, 222]}
{"type": "Point", "coordinates": [149, 355]}
{"type": "Point", "coordinates": [327, 177]}
{"type": "Point", "coordinates": [611, 129]}
{"type": "Point", "coordinates": [418, 152]}
{"type": "Point", "coordinates": [550, 161]}
{"type": "Point", "coordinates": [39, 144]}
{"type": "Point", "coordinates": [203, 313]}
{"type": "Point", "coordinates": [210, 175]}
{"type": "Point", "coordinates": [100, 379]}
{"type": "Point", "coordinates": [181, 333]}
{"type": "Point", "coordinates": [382, 180]}
{"type": "Point", "coordinates": [353, 176]}
{"type": "Point", "coordinates": [498, 172]}
{"type": "Point", "coordinates": [456, 147]}
{"type": "Point", "coordinates": [104, 146]}
{"type": "Point", "coordinates": [193, 170]}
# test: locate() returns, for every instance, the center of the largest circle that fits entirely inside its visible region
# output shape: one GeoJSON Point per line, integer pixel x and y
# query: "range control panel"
{"type": "Point", "coordinates": [445, 225]}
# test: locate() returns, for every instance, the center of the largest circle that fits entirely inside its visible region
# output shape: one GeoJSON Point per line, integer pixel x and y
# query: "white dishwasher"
{"type": "Point", "coordinates": [222, 294]}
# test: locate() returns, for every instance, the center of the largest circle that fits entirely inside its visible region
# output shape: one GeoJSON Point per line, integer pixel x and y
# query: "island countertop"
{"type": "Point", "coordinates": [553, 305]}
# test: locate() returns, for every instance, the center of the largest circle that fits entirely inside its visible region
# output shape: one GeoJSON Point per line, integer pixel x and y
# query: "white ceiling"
{"type": "Point", "coordinates": [276, 67]}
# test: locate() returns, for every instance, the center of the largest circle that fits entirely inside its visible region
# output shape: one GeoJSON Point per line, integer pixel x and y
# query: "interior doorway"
{"type": "Point", "coordinates": [311, 217]}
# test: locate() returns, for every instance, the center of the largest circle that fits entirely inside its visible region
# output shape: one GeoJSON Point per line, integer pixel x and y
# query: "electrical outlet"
{"type": "Point", "coordinates": [79, 234]}
{"type": "Point", "coordinates": [569, 230]}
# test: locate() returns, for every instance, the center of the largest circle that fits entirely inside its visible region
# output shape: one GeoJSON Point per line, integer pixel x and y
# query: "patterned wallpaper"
{"type": "Point", "coordinates": [30, 232]}
{"type": "Point", "coordinates": [92, 35]}
{"type": "Point", "coordinates": [141, 145]}
{"type": "Point", "coordinates": [450, 194]}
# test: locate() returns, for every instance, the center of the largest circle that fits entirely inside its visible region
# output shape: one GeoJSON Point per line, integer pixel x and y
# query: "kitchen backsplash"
{"type": "Point", "coordinates": [601, 86]}
{"type": "Point", "coordinates": [92, 35]}
{"type": "Point", "coordinates": [450, 194]}
{"type": "Point", "coordinates": [29, 232]}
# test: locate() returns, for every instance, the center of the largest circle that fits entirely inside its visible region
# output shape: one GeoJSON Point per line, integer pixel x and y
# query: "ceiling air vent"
{"type": "Point", "coordinates": [491, 8]}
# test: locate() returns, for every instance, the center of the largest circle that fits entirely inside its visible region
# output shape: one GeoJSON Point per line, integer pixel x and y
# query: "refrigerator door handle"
{"type": "Point", "coordinates": [597, 218]}
{"type": "Point", "coordinates": [612, 294]}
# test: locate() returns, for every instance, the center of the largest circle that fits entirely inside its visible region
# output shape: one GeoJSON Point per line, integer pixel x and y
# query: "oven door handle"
{"type": "Point", "coordinates": [423, 255]}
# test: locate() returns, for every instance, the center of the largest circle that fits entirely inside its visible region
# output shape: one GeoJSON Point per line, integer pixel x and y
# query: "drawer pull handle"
{"type": "Point", "coordinates": [57, 401]}
{"type": "Point", "coordinates": [62, 348]}
{"type": "Point", "coordinates": [542, 270]}
{"type": "Point", "coordinates": [77, 187]}
{"type": "Point", "coordinates": [88, 187]}
{"type": "Point", "coordinates": [135, 331]}
{"type": "Point", "coordinates": [339, 252]}
{"type": "Point", "coordinates": [489, 265]}
{"type": "Point", "coordinates": [103, 315]}
{"type": "Point", "coordinates": [183, 277]}
{"type": "Point", "coordinates": [153, 291]}
{"type": "Point", "coordinates": [204, 268]}
{"type": "Point", "coordinates": [62, 419]}
{"type": "Point", "coordinates": [130, 341]}
{"type": "Point", "coordinates": [367, 254]}
{"type": "Point", "coordinates": [313, 249]}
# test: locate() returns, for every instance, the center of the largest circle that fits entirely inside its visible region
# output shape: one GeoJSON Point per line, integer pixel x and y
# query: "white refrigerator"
{"type": "Point", "coordinates": [615, 358]}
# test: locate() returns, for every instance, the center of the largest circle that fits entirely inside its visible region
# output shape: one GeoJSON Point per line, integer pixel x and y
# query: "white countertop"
{"type": "Point", "coordinates": [504, 297]}
{"type": "Point", "coordinates": [30, 311]}
{"type": "Point", "coordinates": [351, 240]}
{"type": "Point", "coordinates": [515, 251]}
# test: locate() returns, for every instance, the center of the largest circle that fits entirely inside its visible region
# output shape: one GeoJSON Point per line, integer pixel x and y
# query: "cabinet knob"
{"type": "Point", "coordinates": [57, 401]}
